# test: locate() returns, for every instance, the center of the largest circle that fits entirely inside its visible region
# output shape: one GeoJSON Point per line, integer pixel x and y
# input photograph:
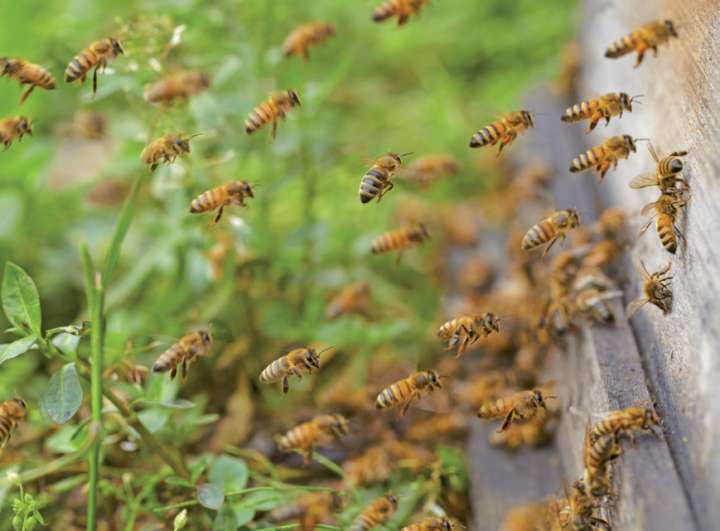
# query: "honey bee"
{"type": "Point", "coordinates": [408, 389]}
{"type": "Point", "coordinates": [230, 193]}
{"type": "Point", "coordinates": [596, 458]}
{"type": "Point", "coordinates": [504, 130]}
{"type": "Point", "coordinates": [603, 107]}
{"type": "Point", "coordinates": [521, 405]}
{"type": "Point", "coordinates": [12, 412]}
{"type": "Point", "coordinates": [377, 180]}
{"type": "Point", "coordinates": [648, 37]}
{"type": "Point", "coordinates": [666, 176]}
{"type": "Point", "coordinates": [272, 110]}
{"type": "Point", "coordinates": [532, 432]}
{"type": "Point", "coordinates": [402, 9]}
{"type": "Point", "coordinates": [26, 73]}
{"type": "Point", "coordinates": [176, 87]}
{"type": "Point", "coordinates": [666, 208]}
{"type": "Point", "coordinates": [625, 422]}
{"type": "Point", "coordinates": [377, 513]}
{"type": "Point", "coordinates": [551, 229]}
{"type": "Point", "coordinates": [130, 372]}
{"type": "Point", "coordinates": [14, 127]}
{"type": "Point", "coordinates": [400, 239]}
{"type": "Point", "coordinates": [165, 149]}
{"type": "Point", "coordinates": [534, 516]}
{"type": "Point", "coordinates": [319, 431]}
{"type": "Point", "coordinates": [310, 509]}
{"type": "Point", "coordinates": [433, 524]}
{"type": "Point", "coordinates": [580, 509]}
{"type": "Point", "coordinates": [183, 353]}
{"type": "Point", "coordinates": [373, 467]}
{"type": "Point", "coordinates": [571, 69]}
{"type": "Point", "coordinates": [604, 155]}
{"type": "Point", "coordinates": [490, 384]}
{"type": "Point", "coordinates": [90, 125]}
{"type": "Point", "coordinates": [592, 301]}
{"type": "Point", "coordinates": [611, 222]}
{"type": "Point", "coordinates": [437, 426]}
{"type": "Point", "coordinates": [96, 55]}
{"type": "Point", "coordinates": [467, 330]}
{"type": "Point", "coordinates": [655, 290]}
{"type": "Point", "coordinates": [426, 170]}
{"type": "Point", "coordinates": [294, 363]}
{"type": "Point", "coordinates": [305, 36]}
{"type": "Point", "coordinates": [351, 299]}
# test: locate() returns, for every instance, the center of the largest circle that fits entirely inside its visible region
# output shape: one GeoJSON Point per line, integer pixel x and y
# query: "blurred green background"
{"type": "Point", "coordinates": [373, 88]}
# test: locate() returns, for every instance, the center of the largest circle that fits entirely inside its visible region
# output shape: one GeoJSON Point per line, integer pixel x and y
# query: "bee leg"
{"type": "Point", "coordinates": [184, 371]}
{"type": "Point", "coordinates": [95, 80]}
{"type": "Point", "coordinates": [219, 214]}
{"type": "Point", "coordinates": [399, 257]}
{"type": "Point", "coordinates": [594, 119]}
{"type": "Point", "coordinates": [274, 129]}
{"type": "Point", "coordinates": [552, 242]}
{"type": "Point", "coordinates": [402, 19]}
{"type": "Point", "coordinates": [26, 94]}
{"type": "Point", "coordinates": [405, 407]}
{"type": "Point", "coordinates": [646, 227]}
{"type": "Point", "coordinates": [173, 372]}
{"type": "Point", "coordinates": [641, 49]}
{"type": "Point", "coordinates": [508, 420]}
{"type": "Point", "coordinates": [285, 385]}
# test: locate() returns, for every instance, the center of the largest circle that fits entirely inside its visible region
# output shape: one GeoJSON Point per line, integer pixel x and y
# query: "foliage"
{"type": "Point", "coordinates": [372, 88]}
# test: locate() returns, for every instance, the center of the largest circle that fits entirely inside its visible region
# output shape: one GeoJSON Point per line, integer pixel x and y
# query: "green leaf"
{"type": "Point", "coordinates": [121, 229]}
{"type": "Point", "coordinates": [225, 520]}
{"type": "Point", "coordinates": [230, 473]}
{"type": "Point", "coordinates": [64, 395]}
{"type": "Point", "coordinates": [20, 299]}
{"type": "Point", "coordinates": [16, 348]}
{"type": "Point", "coordinates": [210, 495]}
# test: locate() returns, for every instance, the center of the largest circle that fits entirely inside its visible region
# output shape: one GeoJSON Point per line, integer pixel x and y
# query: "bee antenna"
{"type": "Point", "coordinates": [637, 97]}
{"type": "Point", "coordinates": [326, 349]}
{"type": "Point", "coordinates": [641, 139]}
{"type": "Point", "coordinates": [408, 153]}
{"type": "Point", "coordinates": [197, 134]}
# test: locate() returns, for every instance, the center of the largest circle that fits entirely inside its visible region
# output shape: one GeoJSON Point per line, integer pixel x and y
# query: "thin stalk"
{"type": "Point", "coordinates": [94, 294]}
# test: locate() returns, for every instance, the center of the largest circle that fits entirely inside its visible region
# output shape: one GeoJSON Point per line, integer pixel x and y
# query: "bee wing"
{"type": "Point", "coordinates": [653, 153]}
{"type": "Point", "coordinates": [648, 208]}
{"type": "Point", "coordinates": [435, 402]}
{"type": "Point", "coordinates": [634, 306]}
{"type": "Point", "coordinates": [644, 180]}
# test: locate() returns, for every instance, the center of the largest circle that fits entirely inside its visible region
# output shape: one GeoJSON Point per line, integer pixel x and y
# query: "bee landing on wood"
{"type": "Point", "coordinates": [648, 37]}
{"type": "Point", "coordinates": [656, 290]}
{"type": "Point", "coordinates": [26, 73]}
{"type": "Point", "coordinates": [666, 176]}
{"type": "Point", "coordinates": [97, 55]}
{"type": "Point", "coordinates": [666, 208]}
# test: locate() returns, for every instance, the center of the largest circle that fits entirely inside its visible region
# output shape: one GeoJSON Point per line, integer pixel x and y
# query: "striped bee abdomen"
{"type": "Point", "coordinates": [538, 234]}
{"type": "Point", "coordinates": [666, 232]}
{"type": "Point", "coordinates": [385, 10]}
{"type": "Point", "coordinates": [393, 395]}
{"type": "Point", "coordinates": [621, 46]}
{"type": "Point", "coordinates": [261, 115]}
{"type": "Point", "coordinates": [488, 136]}
{"type": "Point", "coordinates": [579, 111]}
{"type": "Point", "coordinates": [277, 370]}
{"type": "Point", "coordinates": [298, 437]}
{"type": "Point", "coordinates": [80, 65]}
{"type": "Point", "coordinates": [372, 184]}
{"type": "Point", "coordinates": [168, 359]}
{"type": "Point", "coordinates": [589, 159]}
{"type": "Point", "coordinates": [209, 200]}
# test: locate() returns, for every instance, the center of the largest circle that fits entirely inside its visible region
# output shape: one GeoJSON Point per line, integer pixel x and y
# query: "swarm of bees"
{"type": "Point", "coordinates": [546, 300]}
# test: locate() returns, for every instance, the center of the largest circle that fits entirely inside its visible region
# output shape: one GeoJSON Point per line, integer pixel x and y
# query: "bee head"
{"type": "Point", "coordinates": [650, 418]}
{"type": "Point", "coordinates": [20, 402]}
{"type": "Point", "coordinates": [340, 426]}
{"type": "Point", "coordinates": [5, 65]}
{"type": "Point", "coordinates": [434, 378]}
{"type": "Point", "coordinates": [392, 499]}
{"type": "Point", "coordinates": [573, 218]}
{"type": "Point", "coordinates": [446, 525]}
{"type": "Point", "coordinates": [626, 101]}
{"type": "Point", "coordinates": [422, 231]}
{"type": "Point", "coordinates": [527, 118]}
{"type": "Point", "coordinates": [630, 142]}
{"type": "Point", "coordinates": [294, 98]}
{"type": "Point", "coordinates": [538, 397]}
{"type": "Point", "coordinates": [205, 337]}
{"type": "Point", "coordinates": [117, 48]}
{"type": "Point", "coordinates": [204, 80]}
{"type": "Point", "coordinates": [25, 126]}
{"type": "Point", "coordinates": [676, 165]}
{"type": "Point", "coordinates": [670, 27]}
{"type": "Point", "coordinates": [492, 321]}
{"type": "Point", "coordinates": [247, 189]}
{"type": "Point", "coordinates": [183, 143]}
{"type": "Point", "coordinates": [312, 358]}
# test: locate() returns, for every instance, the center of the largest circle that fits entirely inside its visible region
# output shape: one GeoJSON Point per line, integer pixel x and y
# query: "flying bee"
{"type": "Point", "coordinates": [26, 73]}
{"type": "Point", "coordinates": [230, 193]}
{"type": "Point", "coordinates": [305, 36]}
{"type": "Point", "coordinates": [532, 432]}
{"type": "Point", "coordinates": [129, 372]}
{"type": "Point", "coordinates": [597, 456]}
{"type": "Point", "coordinates": [408, 389]}
{"type": "Point", "coordinates": [551, 229]}
{"type": "Point", "coordinates": [592, 301]}
{"type": "Point", "coordinates": [655, 290]}
{"type": "Point", "coordinates": [433, 524]}
{"type": "Point", "coordinates": [183, 353]}
{"type": "Point", "coordinates": [319, 431]}
{"type": "Point", "coordinates": [14, 127]}
{"type": "Point", "coordinates": [667, 174]}
{"type": "Point", "coordinates": [271, 110]}
{"type": "Point", "coordinates": [165, 149]}
{"type": "Point", "coordinates": [426, 170]}
{"type": "Point", "coordinates": [176, 87]}
{"type": "Point", "coordinates": [12, 412]}
{"type": "Point", "coordinates": [400, 239]}
{"type": "Point", "coordinates": [351, 299]}
{"type": "Point", "coordinates": [504, 130]}
{"type": "Point", "coordinates": [489, 385]}
{"type": "Point", "coordinates": [604, 155]}
{"type": "Point", "coordinates": [294, 363]}
{"type": "Point", "coordinates": [373, 467]}
{"type": "Point", "coordinates": [402, 9]}
{"type": "Point", "coordinates": [309, 509]}
{"type": "Point", "coordinates": [467, 330]}
{"type": "Point", "coordinates": [648, 37]}
{"type": "Point", "coordinates": [377, 180]}
{"type": "Point", "coordinates": [625, 422]}
{"type": "Point", "coordinates": [96, 55]}
{"type": "Point", "coordinates": [602, 253]}
{"type": "Point", "coordinates": [602, 107]}
{"type": "Point", "coordinates": [666, 208]}
{"type": "Point", "coordinates": [521, 405]}
{"type": "Point", "coordinates": [376, 514]}
{"type": "Point", "coordinates": [90, 125]}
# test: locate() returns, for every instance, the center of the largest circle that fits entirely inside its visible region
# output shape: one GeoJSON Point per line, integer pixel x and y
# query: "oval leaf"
{"type": "Point", "coordinates": [16, 348]}
{"type": "Point", "coordinates": [230, 473]}
{"type": "Point", "coordinates": [64, 395]}
{"type": "Point", "coordinates": [225, 520]}
{"type": "Point", "coordinates": [210, 495]}
{"type": "Point", "coordinates": [20, 299]}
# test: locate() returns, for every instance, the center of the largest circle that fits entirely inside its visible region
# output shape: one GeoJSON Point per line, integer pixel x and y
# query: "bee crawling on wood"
{"type": "Point", "coordinates": [230, 193]}
{"type": "Point", "coordinates": [503, 130]}
{"type": "Point", "coordinates": [600, 108]}
{"type": "Point", "coordinates": [597, 456]}
{"type": "Point", "coordinates": [666, 208]}
{"type": "Point", "coordinates": [666, 176]}
{"type": "Point", "coordinates": [551, 229]}
{"type": "Point", "coordinates": [604, 155]}
{"type": "Point", "coordinates": [467, 330]}
{"type": "Point", "coordinates": [626, 422]}
{"type": "Point", "coordinates": [294, 363]}
{"type": "Point", "coordinates": [183, 353]}
{"type": "Point", "coordinates": [656, 290]}
{"type": "Point", "coordinates": [26, 73]}
{"type": "Point", "coordinates": [96, 56]}
{"type": "Point", "coordinates": [648, 37]}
